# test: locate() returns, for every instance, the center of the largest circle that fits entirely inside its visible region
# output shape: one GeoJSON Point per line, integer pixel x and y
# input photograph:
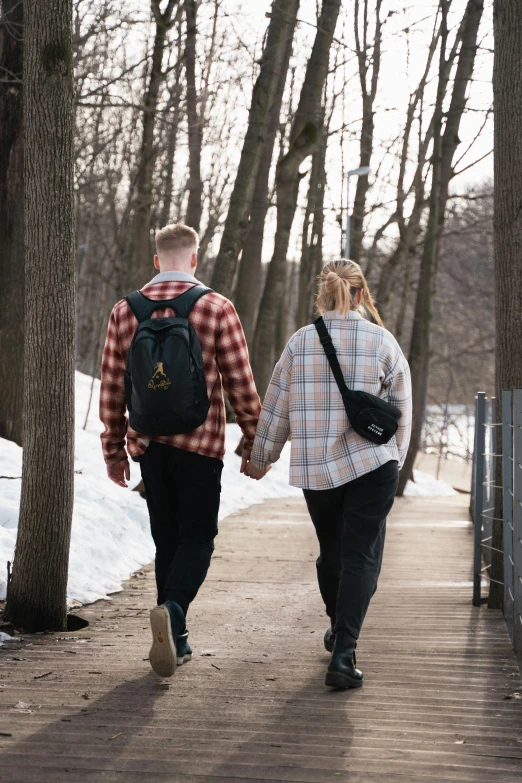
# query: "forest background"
{"type": "Point", "coordinates": [166, 102]}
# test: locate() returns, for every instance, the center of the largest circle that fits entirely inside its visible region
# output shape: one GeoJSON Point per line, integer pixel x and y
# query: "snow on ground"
{"type": "Point", "coordinates": [426, 486]}
{"type": "Point", "coordinates": [110, 532]}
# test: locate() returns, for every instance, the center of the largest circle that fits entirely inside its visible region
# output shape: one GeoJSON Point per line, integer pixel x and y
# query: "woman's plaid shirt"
{"type": "Point", "coordinates": [226, 364]}
{"type": "Point", "coordinates": [303, 402]}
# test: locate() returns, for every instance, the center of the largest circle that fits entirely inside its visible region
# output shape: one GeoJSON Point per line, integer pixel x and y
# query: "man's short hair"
{"type": "Point", "coordinates": [175, 237]}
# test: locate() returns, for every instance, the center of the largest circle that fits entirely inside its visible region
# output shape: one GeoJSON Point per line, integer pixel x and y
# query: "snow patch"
{"type": "Point", "coordinates": [426, 486]}
{"type": "Point", "coordinates": [110, 531]}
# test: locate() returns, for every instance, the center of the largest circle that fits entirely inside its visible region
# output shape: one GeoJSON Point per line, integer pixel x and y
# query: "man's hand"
{"type": "Point", "coordinates": [256, 473]}
{"type": "Point", "coordinates": [244, 459]}
{"type": "Point", "coordinates": [119, 471]}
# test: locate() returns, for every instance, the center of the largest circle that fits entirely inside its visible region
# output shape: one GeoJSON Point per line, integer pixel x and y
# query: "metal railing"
{"type": "Point", "coordinates": [483, 501]}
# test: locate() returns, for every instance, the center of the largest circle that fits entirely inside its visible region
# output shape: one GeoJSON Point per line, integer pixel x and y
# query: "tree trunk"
{"type": "Point", "coordinates": [11, 223]}
{"type": "Point", "coordinates": [312, 242]}
{"type": "Point", "coordinates": [369, 93]}
{"type": "Point", "coordinates": [409, 228]}
{"type": "Point", "coordinates": [37, 594]}
{"type": "Point", "coordinates": [507, 91]}
{"type": "Point", "coordinates": [247, 293]}
{"type": "Point", "coordinates": [142, 268]}
{"type": "Point", "coordinates": [171, 141]}
{"type": "Point", "coordinates": [304, 138]}
{"type": "Point", "coordinates": [282, 24]}
{"type": "Point", "coordinates": [195, 128]}
{"type": "Point", "coordinates": [444, 147]}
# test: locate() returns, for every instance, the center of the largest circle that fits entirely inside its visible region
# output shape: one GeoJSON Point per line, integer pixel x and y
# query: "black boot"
{"type": "Point", "coordinates": [341, 671]}
{"type": "Point", "coordinates": [329, 639]}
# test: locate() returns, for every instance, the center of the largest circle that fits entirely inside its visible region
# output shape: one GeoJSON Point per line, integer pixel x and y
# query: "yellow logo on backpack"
{"type": "Point", "coordinates": [164, 383]}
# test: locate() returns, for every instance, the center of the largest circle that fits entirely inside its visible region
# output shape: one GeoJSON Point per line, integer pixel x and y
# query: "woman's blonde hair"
{"type": "Point", "coordinates": [339, 282]}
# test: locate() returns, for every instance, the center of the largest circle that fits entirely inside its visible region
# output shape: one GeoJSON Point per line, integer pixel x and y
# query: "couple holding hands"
{"type": "Point", "coordinates": [170, 351]}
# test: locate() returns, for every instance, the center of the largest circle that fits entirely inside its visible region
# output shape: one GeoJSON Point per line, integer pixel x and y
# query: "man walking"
{"type": "Point", "coordinates": [170, 374]}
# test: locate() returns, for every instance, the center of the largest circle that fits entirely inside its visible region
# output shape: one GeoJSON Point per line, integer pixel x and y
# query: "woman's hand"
{"type": "Point", "coordinates": [256, 473]}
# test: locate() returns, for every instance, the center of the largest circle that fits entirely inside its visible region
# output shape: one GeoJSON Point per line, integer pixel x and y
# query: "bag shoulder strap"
{"type": "Point", "coordinates": [331, 354]}
{"type": "Point", "coordinates": [143, 307]}
{"type": "Point", "coordinates": [184, 303]}
{"type": "Point", "coordinates": [140, 305]}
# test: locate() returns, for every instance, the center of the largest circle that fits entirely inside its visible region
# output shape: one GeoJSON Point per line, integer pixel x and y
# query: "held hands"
{"type": "Point", "coordinates": [256, 473]}
{"type": "Point", "coordinates": [118, 472]}
{"type": "Point", "coordinates": [249, 470]}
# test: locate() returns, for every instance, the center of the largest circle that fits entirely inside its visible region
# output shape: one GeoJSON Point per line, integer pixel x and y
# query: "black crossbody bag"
{"type": "Point", "coordinates": [370, 417]}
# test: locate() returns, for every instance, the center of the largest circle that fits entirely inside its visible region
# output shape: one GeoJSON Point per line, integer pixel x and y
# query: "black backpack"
{"type": "Point", "coordinates": [165, 383]}
{"type": "Point", "coordinates": [370, 417]}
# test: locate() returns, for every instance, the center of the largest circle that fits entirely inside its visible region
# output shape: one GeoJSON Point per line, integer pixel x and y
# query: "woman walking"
{"type": "Point", "coordinates": [349, 482]}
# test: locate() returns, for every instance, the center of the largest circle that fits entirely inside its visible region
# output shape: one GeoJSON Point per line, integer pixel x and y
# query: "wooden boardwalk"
{"type": "Point", "coordinates": [441, 699]}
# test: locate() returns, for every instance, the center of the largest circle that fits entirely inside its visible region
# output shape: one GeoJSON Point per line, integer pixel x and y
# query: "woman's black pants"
{"type": "Point", "coordinates": [350, 522]}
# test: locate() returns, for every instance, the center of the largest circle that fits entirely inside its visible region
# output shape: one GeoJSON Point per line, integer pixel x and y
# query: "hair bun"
{"type": "Point", "coordinates": [331, 280]}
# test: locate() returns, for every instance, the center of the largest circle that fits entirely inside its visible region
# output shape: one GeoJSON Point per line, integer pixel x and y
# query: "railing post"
{"type": "Point", "coordinates": [493, 459]}
{"type": "Point", "coordinates": [474, 466]}
{"type": "Point", "coordinates": [478, 504]}
{"type": "Point", "coordinates": [517, 521]}
{"type": "Point", "coordinates": [507, 505]}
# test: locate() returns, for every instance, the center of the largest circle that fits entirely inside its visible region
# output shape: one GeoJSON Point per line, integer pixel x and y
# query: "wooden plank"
{"type": "Point", "coordinates": [432, 709]}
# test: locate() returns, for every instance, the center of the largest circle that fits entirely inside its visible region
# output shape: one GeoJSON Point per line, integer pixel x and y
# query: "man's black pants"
{"type": "Point", "coordinates": [350, 522]}
{"type": "Point", "coordinates": [183, 491]}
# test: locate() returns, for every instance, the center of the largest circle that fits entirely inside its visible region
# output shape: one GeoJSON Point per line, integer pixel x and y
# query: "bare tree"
{"type": "Point", "coordinates": [11, 221]}
{"type": "Point", "coordinates": [369, 62]}
{"type": "Point", "coordinates": [312, 237]}
{"type": "Point", "coordinates": [304, 138]}
{"type": "Point", "coordinates": [507, 91]}
{"type": "Point", "coordinates": [282, 23]}
{"type": "Point", "coordinates": [195, 129]}
{"type": "Point", "coordinates": [37, 593]}
{"type": "Point", "coordinates": [249, 283]}
{"type": "Point", "coordinates": [444, 146]}
{"type": "Point", "coordinates": [164, 20]}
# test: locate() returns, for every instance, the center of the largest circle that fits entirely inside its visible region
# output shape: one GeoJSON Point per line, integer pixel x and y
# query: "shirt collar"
{"type": "Point", "coordinates": [173, 277]}
{"type": "Point", "coordinates": [350, 315]}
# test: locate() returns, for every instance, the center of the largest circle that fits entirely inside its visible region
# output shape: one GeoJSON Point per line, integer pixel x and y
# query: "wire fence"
{"type": "Point", "coordinates": [499, 440]}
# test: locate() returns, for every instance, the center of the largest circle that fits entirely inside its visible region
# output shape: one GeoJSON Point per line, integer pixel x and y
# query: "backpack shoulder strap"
{"type": "Point", "coordinates": [184, 303]}
{"type": "Point", "coordinates": [331, 354]}
{"type": "Point", "coordinates": [143, 307]}
{"type": "Point", "coordinates": [140, 305]}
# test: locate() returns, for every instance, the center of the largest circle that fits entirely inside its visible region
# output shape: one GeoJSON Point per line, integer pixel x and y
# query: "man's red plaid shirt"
{"type": "Point", "coordinates": [226, 364]}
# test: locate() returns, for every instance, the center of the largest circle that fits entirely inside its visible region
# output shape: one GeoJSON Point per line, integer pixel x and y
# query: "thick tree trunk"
{"type": "Point", "coordinates": [304, 138]}
{"type": "Point", "coordinates": [247, 293]}
{"type": "Point", "coordinates": [507, 90]}
{"type": "Point", "coordinates": [37, 594]}
{"type": "Point", "coordinates": [195, 129]}
{"type": "Point", "coordinates": [282, 24]}
{"type": "Point", "coordinates": [444, 148]}
{"type": "Point", "coordinates": [11, 223]}
{"type": "Point", "coordinates": [142, 268]}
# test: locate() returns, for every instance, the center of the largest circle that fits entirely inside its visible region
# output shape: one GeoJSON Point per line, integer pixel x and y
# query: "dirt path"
{"type": "Point", "coordinates": [439, 702]}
